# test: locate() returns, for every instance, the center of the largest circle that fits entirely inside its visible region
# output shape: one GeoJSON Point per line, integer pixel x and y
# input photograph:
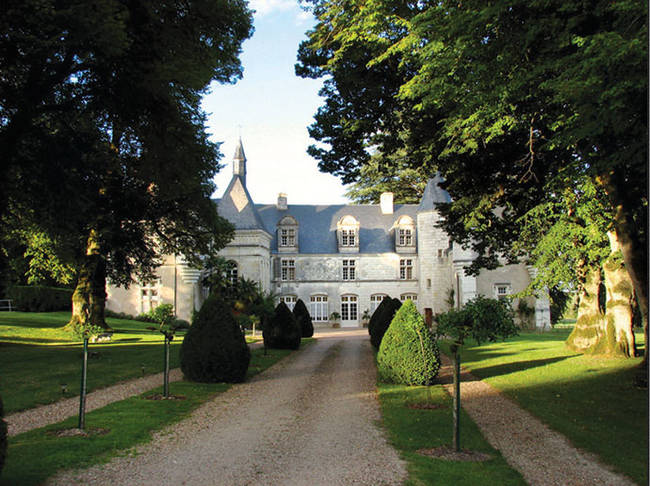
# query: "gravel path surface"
{"type": "Point", "coordinates": [543, 457]}
{"type": "Point", "coordinates": [309, 420]}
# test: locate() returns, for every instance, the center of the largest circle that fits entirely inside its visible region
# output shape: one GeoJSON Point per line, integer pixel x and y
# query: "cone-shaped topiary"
{"type": "Point", "coordinates": [375, 315]}
{"type": "Point", "coordinates": [383, 321]}
{"type": "Point", "coordinates": [214, 348]}
{"type": "Point", "coordinates": [301, 314]}
{"type": "Point", "coordinates": [281, 330]}
{"type": "Point", "coordinates": [3, 437]}
{"type": "Point", "coordinates": [408, 353]}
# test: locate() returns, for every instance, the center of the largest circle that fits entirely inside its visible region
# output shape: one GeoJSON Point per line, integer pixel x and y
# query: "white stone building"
{"type": "Point", "coordinates": [336, 258]}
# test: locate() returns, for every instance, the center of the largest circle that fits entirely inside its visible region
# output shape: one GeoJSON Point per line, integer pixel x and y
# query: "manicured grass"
{"type": "Point", "coordinates": [37, 357]}
{"type": "Point", "coordinates": [592, 401]}
{"type": "Point", "coordinates": [412, 429]}
{"type": "Point", "coordinates": [38, 454]}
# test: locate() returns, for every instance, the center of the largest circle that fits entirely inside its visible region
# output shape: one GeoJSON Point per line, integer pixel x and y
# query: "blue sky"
{"type": "Point", "coordinates": [272, 108]}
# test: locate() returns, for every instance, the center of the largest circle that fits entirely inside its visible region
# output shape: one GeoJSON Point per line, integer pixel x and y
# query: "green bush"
{"type": "Point", "coordinates": [214, 349]}
{"type": "Point", "coordinates": [301, 314]}
{"type": "Point", "coordinates": [408, 353]}
{"type": "Point", "coordinates": [3, 437]}
{"type": "Point", "coordinates": [384, 319]}
{"type": "Point", "coordinates": [28, 298]}
{"type": "Point", "coordinates": [281, 330]}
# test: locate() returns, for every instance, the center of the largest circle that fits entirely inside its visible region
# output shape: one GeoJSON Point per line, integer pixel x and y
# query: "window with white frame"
{"type": "Point", "coordinates": [318, 308]}
{"type": "Point", "coordinates": [287, 237]}
{"type": "Point", "coordinates": [149, 296]}
{"type": "Point", "coordinates": [375, 300]}
{"type": "Point", "coordinates": [411, 297]}
{"type": "Point", "coordinates": [288, 270]}
{"type": "Point", "coordinates": [349, 308]}
{"type": "Point", "coordinates": [348, 237]}
{"type": "Point", "coordinates": [232, 272]}
{"type": "Point", "coordinates": [349, 269]}
{"type": "Point", "coordinates": [289, 300]}
{"type": "Point", "coordinates": [406, 269]}
{"type": "Point", "coordinates": [502, 290]}
{"type": "Point", "coordinates": [405, 234]}
{"type": "Point", "coordinates": [405, 237]}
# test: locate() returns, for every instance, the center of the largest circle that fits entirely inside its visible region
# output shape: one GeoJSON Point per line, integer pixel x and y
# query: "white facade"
{"type": "Point", "coordinates": [337, 259]}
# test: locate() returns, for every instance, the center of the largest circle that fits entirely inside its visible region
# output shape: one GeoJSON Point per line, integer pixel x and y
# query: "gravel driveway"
{"type": "Point", "coordinates": [309, 420]}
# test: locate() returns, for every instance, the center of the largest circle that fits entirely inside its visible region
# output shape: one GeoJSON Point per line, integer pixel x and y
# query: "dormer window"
{"type": "Point", "coordinates": [288, 235]}
{"type": "Point", "coordinates": [405, 235]}
{"type": "Point", "coordinates": [348, 234]}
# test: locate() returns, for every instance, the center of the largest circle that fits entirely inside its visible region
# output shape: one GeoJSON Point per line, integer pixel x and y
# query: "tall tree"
{"type": "Point", "coordinates": [510, 100]}
{"type": "Point", "coordinates": [102, 133]}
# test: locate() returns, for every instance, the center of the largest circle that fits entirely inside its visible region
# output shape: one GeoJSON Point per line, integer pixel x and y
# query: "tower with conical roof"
{"type": "Point", "coordinates": [239, 162]}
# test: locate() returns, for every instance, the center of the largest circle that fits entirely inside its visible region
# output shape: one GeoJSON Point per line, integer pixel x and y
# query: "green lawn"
{"type": "Point", "coordinates": [412, 429]}
{"type": "Point", "coordinates": [592, 401]}
{"type": "Point", "coordinates": [36, 455]}
{"type": "Point", "coordinates": [37, 357]}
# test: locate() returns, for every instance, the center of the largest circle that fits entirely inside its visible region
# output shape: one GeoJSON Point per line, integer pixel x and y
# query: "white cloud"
{"type": "Point", "coordinates": [264, 7]}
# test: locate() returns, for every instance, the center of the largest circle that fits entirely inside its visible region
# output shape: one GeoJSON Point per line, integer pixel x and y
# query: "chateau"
{"type": "Point", "coordinates": [337, 258]}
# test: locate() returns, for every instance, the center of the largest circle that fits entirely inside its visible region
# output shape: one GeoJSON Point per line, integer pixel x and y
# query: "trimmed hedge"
{"type": "Point", "coordinates": [35, 298]}
{"type": "Point", "coordinates": [282, 331]}
{"type": "Point", "coordinates": [214, 349]}
{"type": "Point", "coordinates": [301, 314]}
{"type": "Point", "coordinates": [3, 437]}
{"type": "Point", "coordinates": [409, 352]}
{"type": "Point", "coordinates": [376, 315]}
{"type": "Point", "coordinates": [383, 321]}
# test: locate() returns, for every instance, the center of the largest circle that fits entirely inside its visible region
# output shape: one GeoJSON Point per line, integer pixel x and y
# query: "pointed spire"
{"type": "Point", "coordinates": [239, 162]}
{"type": "Point", "coordinates": [433, 194]}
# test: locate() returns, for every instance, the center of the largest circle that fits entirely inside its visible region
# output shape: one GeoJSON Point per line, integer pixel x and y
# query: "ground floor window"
{"type": "Point", "coordinates": [405, 297]}
{"type": "Point", "coordinates": [290, 300]}
{"type": "Point", "coordinates": [375, 300]}
{"type": "Point", "coordinates": [502, 291]}
{"type": "Point", "coordinates": [349, 308]}
{"type": "Point", "coordinates": [149, 296]}
{"type": "Point", "coordinates": [318, 307]}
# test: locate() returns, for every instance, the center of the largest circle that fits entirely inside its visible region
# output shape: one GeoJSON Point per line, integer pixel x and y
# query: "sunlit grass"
{"type": "Point", "coordinates": [591, 400]}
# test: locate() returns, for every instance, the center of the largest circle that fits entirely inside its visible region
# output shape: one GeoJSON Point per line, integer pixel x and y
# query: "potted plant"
{"type": "Point", "coordinates": [365, 318]}
{"type": "Point", "coordinates": [335, 317]}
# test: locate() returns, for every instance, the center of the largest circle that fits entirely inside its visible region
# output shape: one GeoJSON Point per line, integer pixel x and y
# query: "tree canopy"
{"type": "Point", "coordinates": [514, 103]}
{"type": "Point", "coordinates": [102, 133]}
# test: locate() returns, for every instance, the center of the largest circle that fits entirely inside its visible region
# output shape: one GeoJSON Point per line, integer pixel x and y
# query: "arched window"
{"type": "Point", "coordinates": [318, 308]}
{"type": "Point", "coordinates": [288, 234]}
{"type": "Point", "coordinates": [232, 274]}
{"type": "Point", "coordinates": [375, 300]}
{"type": "Point", "coordinates": [290, 300]}
{"type": "Point", "coordinates": [348, 234]}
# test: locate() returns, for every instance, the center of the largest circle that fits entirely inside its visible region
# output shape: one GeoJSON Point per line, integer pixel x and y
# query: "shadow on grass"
{"type": "Point", "coordinates": [7, 340]}
{"type": "Point", "coordinates": [507, 368]}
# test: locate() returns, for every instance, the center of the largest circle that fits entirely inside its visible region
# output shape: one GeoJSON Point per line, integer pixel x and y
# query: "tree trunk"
{"type": "Point", "coordinates": [589, 328]}
{"type": "Point", "coordinates": [620, 299]}
{"type": "Point", "coordinates": [633, 246]}
{"type": "Point", "coordinates": [89, 296]}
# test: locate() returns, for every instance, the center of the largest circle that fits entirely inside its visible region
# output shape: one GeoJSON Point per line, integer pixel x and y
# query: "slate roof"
{"type": "Point", "coordinates": [238, 207]}
{"type": "Point", "coordinates": [317, 225]}
{"type": "Point", "coordinates": [433, 194]}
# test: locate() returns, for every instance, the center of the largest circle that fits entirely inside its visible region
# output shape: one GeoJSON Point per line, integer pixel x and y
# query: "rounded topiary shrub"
{"type": "Point", "coordinates": [214, 348]}
{"type": "Point", "coordinates": [383, 321]}
{"type": "Point", "coordinates": [301, 314]}
{"type": "Point", "coordinates": [375, 315]}
{"type": "Point", "coordinates": [281, 330]}
{"type": "Point", "coordinates": [3, 437]}
{"type": "Point", "coordinates": [408, 353]}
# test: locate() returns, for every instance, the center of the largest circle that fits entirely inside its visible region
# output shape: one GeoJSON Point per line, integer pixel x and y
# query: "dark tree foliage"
{"type": "Point", "coordinates": [3, 437]}
{"type": "Point", "coordinates": [102, 134]}
{"type": "Point", "coordinates": [281, 330]}
{"type": "Point", "coordinates": [214, 349]}
{"type": "Point", "coordinates": [383, 321]}
{"type": "Point", "coordinates": [303, 318]}
{"type": "Point", "coordinates": [511, 101]}
{"type": "Point", "coordinates": [376, 315]}
{"type": "Point", "coordinates": [408, 353]}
